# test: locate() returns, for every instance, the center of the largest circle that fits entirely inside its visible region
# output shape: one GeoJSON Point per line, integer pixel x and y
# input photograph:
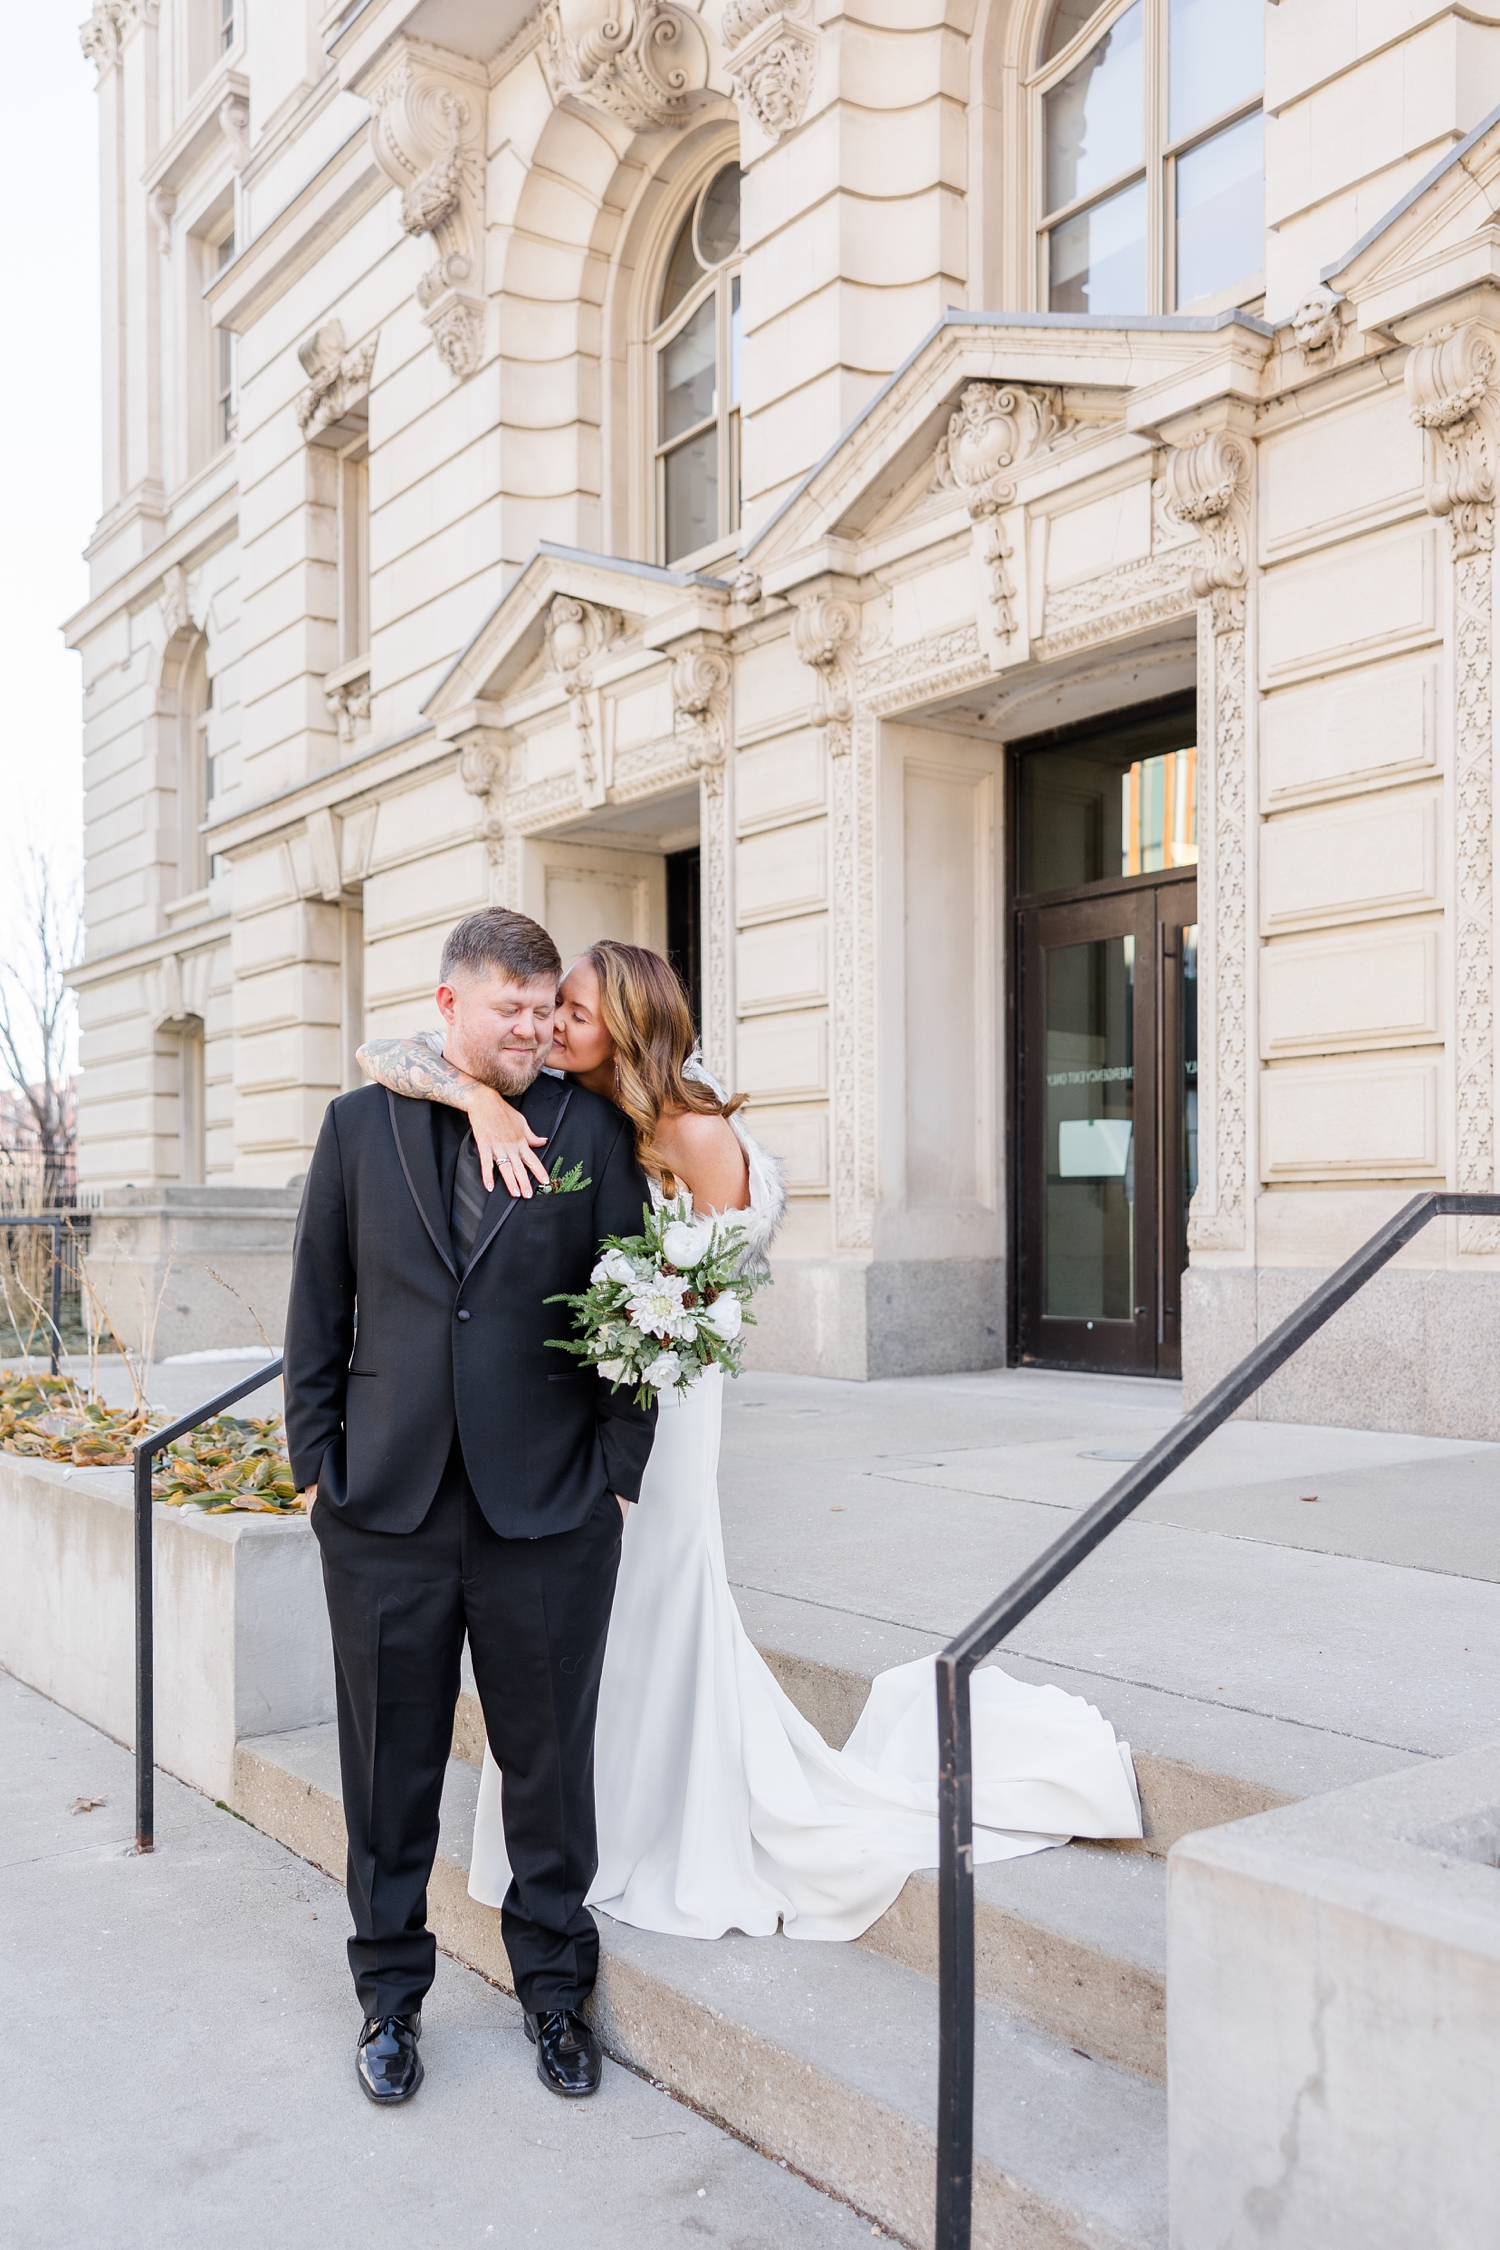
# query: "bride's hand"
{"type": "Point", "coordinates": [505, 1142]}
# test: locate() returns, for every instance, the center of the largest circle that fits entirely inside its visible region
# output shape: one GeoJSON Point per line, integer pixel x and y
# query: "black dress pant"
{"type": "Point", "coordinates": [536, 1612]}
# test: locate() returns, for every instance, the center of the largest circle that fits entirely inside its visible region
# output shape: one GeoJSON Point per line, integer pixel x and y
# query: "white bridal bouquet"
{"type": "Point", "coordinates": [664, 1304]}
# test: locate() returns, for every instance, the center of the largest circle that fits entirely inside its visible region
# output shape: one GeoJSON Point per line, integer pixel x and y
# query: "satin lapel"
{"type": "Point", "coordinates": [483, 1241]}
{"type": "Point", "coordinates": [411, 1123]}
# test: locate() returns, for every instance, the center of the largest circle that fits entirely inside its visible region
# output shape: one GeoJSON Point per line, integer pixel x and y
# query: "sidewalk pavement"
{"type": "Point", "coordinates": [180, 2061]}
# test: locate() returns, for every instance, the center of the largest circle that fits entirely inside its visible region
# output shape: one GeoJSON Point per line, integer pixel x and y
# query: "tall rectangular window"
{"type": "Point", "coordinates": [223, 404]}
{"type": "Point", "coordinates": [354, 555]}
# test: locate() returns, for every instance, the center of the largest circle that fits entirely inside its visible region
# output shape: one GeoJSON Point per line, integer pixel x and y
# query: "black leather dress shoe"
{"type": "Point", "coordinates": [567, 2053]}
{"type": "Point", "coordinates": [387, 2062]}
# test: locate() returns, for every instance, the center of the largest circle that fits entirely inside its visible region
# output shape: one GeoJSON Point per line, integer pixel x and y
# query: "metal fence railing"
{"type": "Point", "coordinates": [145, 1451]}
{"type": "Point", "coordinates": [41, 1281]}
{"type": "Point", "coordinates": [955, 2130]}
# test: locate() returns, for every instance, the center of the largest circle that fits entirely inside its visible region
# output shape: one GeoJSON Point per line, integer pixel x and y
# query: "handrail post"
{"type": "Point", "coordinates": [955, 2184]}
{"type": "Point", "coordinates": [144, 1454]}
{"type": "Point", "coordinates": [145, 1657]}
{"type": "Point", "coordinates": [57, 1227]}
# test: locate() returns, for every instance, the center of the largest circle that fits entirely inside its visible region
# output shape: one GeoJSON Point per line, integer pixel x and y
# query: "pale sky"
{"type": "Point", "coordinates": [49, 419]}
{"type": "Point", "coordinates": [49, 432]}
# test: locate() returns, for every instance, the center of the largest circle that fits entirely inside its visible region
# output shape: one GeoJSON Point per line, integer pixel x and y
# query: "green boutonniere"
{"type": "Point", "coordinates": [565, 1183]}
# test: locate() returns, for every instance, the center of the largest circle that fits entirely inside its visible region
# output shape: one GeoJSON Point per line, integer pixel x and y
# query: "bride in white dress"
{"type": "Point", "coordinates": [720, 1807]}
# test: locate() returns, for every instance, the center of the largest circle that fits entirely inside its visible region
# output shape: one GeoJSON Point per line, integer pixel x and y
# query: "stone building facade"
{"type": "Point", "coordinates": [971, 522]}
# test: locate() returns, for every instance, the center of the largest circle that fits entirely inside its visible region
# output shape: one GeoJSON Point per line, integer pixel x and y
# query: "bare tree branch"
{"type": "Point", "coordinates": [36, 1011]}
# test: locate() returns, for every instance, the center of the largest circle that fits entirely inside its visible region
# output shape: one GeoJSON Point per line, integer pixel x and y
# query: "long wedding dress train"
{"type": "Point", "coordinates": [720, 1806]}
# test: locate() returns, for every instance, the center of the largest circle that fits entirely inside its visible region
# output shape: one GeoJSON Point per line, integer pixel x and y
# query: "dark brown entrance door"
{"type": "Point", "coordinates": [1107, 1125]}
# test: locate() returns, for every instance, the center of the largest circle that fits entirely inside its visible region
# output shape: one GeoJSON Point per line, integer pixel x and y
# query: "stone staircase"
{"type": "Point", "coordinates": [826, 2055]}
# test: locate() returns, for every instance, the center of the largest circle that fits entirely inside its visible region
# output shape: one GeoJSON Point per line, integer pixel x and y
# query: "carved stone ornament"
{"type": "Point", "coordinates": [338, 380]}
{"type": "Point", "coordinates": [824, 632]}
{"type": "Point", "coordinates": [577, 632]}
{"type": "Point", "coordinates": [103, 35]}
{"type": "Point", "coordinates": [457, 325]}
{"type": "Point", "coordinates": [1208, 486]}
{"type": "Point", "coordinates": [700, 711]}
{"type": "Point", "coordinates": [234, 124]}
{"type": "Point", "coordinates": [1450, 391]}
{"type": "Point", "coordinates": [645, 63]}
{"type": "Point", "coordinates": [426, 134]}
{"type": "Point", "coordinates": [484, 770]}
{"type": "Point", "coordinates": [161, 203]}
{"type": "Point", "coordinates": [1316, 324]}
{"type": "Point", "coordinates": [772, 63]}
{"type": "Point", "coordinates": [176, 603]}
{"type": "Point", "coordinates": [349, 706]}
{"type": "Point", "coordinates": [747, 588]}
{"type": "Point", "coordinates": [994, 428]}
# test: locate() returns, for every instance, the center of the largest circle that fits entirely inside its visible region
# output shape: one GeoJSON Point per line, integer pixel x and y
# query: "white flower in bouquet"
{"type": "Point", "coordinates": [655, 1307]}
{"type": "Point", "coordinates": [614, 1370]}
{"type": "Point", "coordinates": [614, 1266]}
{"type": "Point", "coordinates": [664, 1369]}
{"type": "Point", "coordinates": [686, 1241]}
{"type": "Point", "coordinates": [725, 1316]}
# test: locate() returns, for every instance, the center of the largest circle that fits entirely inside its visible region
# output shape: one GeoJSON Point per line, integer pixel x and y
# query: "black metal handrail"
{"type": "Point", "coordinates": [56, 1220]}
{"type": "Point", "coordinates": [145, 1451]}
{"type": "Point", "coordinates": [955, 2130]}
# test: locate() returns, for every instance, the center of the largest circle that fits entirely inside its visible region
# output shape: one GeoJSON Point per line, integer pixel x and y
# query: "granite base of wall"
{"type": "Point", "coordinates": [1333, 2037]}
{"type": "Point", "coordinates": [1415, 1350]}
{"type": "Point", "coordinates": [210, 1267]}
{"type": "Point", "coordinates": [863, 1319]}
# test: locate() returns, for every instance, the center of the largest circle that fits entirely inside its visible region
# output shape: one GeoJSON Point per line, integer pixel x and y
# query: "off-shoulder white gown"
{"type": "Point", "coordinates": [720, 1806]}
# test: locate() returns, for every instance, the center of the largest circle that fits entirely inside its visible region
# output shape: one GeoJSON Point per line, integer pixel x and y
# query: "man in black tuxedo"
{"type": "Point", "coordinates": [467, 1479]}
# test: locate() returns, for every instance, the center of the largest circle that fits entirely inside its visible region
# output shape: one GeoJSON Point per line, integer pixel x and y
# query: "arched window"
{"type": "Point", "coordinates": [1152, 154]}
{"type": "Point", "coordinates": [695, 376]}
{"type": "Point", "coordinates": [196, 778]}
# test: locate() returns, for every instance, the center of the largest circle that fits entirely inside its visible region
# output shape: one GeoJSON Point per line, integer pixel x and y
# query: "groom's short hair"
{"type": "Point", "coordinates": [500, 939]}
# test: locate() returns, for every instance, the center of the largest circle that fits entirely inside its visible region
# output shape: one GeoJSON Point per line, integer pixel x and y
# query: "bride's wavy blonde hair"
{"type": "Point", "coordinates": [646, 1014]}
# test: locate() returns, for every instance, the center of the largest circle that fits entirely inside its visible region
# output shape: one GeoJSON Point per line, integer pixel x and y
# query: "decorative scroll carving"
{"type": "Point", "coordinates": [700, 711]}
{"type": "Point", "coordinates": [1138, 594]}
{"type": "Point", "coordinates": [919, 671]}
{"type": "Point", "coordinates": [746, 587]}
{"type": "Point", "coordinates": [426, 131]}
{"type": "Point", "coordinates": [100, 36]}
{"type": "Point", "coordinates": [643, 62]}
{"type": "Point", "coordinates": [823, 634]}
{"type": "Point", "coordinates": [162, 203]}
{"type": "Point", "coordinates": [484, 768]}
{"type": "Point", "coordinates": [577, 632]}
{"type": "Point", "coordinates": [338, 380]}
{"type": "Point", "coordinates": [1448, 388]}
{"type": "Point", "coordinates": [1449, 379]}
{"type": "Point", "coordinates": [1317, 326]}
{"type": "Point", "coordinates": [994, 428]}
{"type": "Point", "coordinates": [1208, 485]}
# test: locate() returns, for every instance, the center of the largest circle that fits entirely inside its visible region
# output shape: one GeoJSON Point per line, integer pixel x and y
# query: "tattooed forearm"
{"type": "Point", "coordinates": [407, 1067]}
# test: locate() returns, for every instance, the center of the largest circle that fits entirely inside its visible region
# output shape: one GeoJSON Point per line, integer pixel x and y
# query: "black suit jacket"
{"type": "Point", "coordinates": [371, 1409]}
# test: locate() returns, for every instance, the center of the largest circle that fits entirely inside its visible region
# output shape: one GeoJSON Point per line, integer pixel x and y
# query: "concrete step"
{"type": "Point", "coordinates": [825, 2055]}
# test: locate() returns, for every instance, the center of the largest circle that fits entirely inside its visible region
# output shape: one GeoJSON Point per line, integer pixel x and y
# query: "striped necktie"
{"type": "Point", "coordinates": [469, 1200]}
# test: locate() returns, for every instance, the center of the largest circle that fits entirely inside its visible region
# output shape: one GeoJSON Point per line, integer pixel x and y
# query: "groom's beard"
{"type": "Point", "coordinates": [509, 1073]}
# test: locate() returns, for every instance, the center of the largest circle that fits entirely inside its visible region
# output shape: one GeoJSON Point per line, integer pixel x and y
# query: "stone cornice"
{"type": "Point", "coordinates": [97, 968]}
{"type": "Point", "coordinates": [354, 779]}
{"type": "Point", "coordinates": [186, 549]}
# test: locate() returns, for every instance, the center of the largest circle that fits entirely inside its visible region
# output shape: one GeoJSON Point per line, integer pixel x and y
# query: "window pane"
{"type": "Point", "coordinates": [688, 372]}
{"type": "Point", "coordinates": [692, 479]}
{"type": "Point", "coordinates": [1221, 197]}
{"type": "Point", "coordinates": [1095, 117]}
{"type": "Point", "coordinates": [1065, 22]}
{"type": "Point", "coordinates": [736, 341]}
{"type": "Point", "coordinates": [719, 218]}
{"type": "Point", "coordinates": [1159, 813]}
{"type": "Point", "coordinates": [683, 269]}
{"type": "Point", "coordinates": [1216, 59]}
{"type": "Point", "coordinates": [1098, 258]}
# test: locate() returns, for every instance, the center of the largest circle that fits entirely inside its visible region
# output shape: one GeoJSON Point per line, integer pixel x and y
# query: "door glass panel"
{"type": "Point", "coordinates": [1088, 1130]}
{"type": "Point", "coordinates": [1216, 59]}
{"type": "Point", "coordinates": [1123, 801]}
{"type": "Point", "coordinates": [1221, 197]}
{"type": "Point", "coordinates": [1159, 813]}
{"type": "Point", "coordinates": [1188, 1015]}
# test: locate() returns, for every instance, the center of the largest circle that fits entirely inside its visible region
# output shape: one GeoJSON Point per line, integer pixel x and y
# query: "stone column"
{"type": "Point", "coordinates": [701, 682]}
{"type": "Point", "coordinates": [1208, 485]}
{"type": "Point", "coordinates": [1450, 388]}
